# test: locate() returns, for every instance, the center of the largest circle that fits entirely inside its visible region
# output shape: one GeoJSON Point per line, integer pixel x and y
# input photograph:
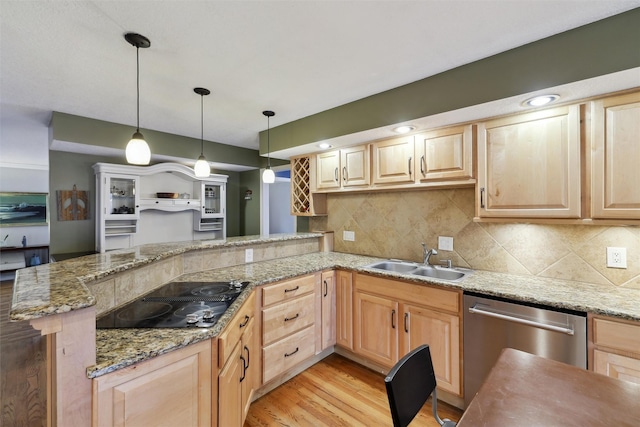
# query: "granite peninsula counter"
{"type": "Point", "coordinates": [58, 290]}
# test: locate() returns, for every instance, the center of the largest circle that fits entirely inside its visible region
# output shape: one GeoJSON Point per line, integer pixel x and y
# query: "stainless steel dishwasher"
{"type": "Point", "coordinates": [491, 324]}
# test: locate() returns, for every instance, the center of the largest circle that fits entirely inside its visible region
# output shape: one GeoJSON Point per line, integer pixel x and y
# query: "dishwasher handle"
{"type": "Point", "coordinates": [511, 318]}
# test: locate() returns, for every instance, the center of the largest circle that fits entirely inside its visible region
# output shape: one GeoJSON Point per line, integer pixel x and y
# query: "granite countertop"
{"type": "Point", "coordinates": [117, 348]}
{"type": "Point", "coordinates": [60, 287]}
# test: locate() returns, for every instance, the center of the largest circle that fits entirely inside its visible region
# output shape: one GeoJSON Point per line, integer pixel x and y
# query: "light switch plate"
{"type": "Point", "coordinates": [616, 257]}
{"type": "Point", "coordinates": [445, 243]}
{"type": "Point", "coordinates": [248, 255]}
{"type": "Point", "coordinates": [349, 236]}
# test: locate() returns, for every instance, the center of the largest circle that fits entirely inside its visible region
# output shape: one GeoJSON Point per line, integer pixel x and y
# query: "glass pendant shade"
{"type": "Point", "coordinates": [268, 177]}
{"type": "Point", "coordinates": [202, 168]}
{"type": "Point", "coordinates": [137, 151]}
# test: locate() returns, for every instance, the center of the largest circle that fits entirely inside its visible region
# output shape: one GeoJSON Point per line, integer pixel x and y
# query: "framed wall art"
{"type": "Point", "coordinates": [23, 209]}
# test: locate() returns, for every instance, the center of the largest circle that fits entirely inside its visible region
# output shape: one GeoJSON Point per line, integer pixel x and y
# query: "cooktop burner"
{"type": "Point", "coordinates": [176, 305]}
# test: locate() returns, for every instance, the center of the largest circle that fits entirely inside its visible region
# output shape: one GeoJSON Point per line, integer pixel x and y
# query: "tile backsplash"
{"type": "Point", "coordinates": [393, 225]}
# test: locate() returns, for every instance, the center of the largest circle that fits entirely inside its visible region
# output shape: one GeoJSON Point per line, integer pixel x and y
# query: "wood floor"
{"type": "Point", "coordinates": [23, 375]}
{"type": "Point", "coordinates": [335, 392]}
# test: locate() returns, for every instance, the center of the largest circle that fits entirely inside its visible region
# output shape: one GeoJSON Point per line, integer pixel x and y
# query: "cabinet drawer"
{"type": "Point", "coordinates": [284, 354]}
{"type": "Point", "coordinates": [616, 366]}
{"type": "Point", "coordinates": [616, 335]}
{"type": "Point", "coordinates": [286, 290]}
{"type": "Point", "coordinates": [282, 319]}
{"type": "Point", "coordinates": [234, 330]}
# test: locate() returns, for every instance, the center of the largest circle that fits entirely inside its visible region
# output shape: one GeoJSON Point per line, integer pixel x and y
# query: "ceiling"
{"type": "Point", "coordinates": [294, 57]}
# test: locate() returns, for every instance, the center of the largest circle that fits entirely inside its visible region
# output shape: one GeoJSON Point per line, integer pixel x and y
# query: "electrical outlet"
{"type": "Point", "coordinates": [445, 243]}
{"type": "Point", "coordinates": [248, 255]}
{"type": "Point", "coordinates": [349, 236]}
{"type": "Point", "coordinates": [617, 257]}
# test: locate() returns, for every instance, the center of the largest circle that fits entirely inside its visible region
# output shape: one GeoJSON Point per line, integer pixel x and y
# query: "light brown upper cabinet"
{"type": "Point", "coordinates": [348, 167]}
{"type": "Point", "coordinates": [393, 161]}
{"type": "Point", "coordinates": [615, 157]}
{"type": "Point", "coordinates": [529, 165]}
{"type": "Point", "coordinates": [444, 154]}
{"type": "Point", "coordinates": [304, 202]}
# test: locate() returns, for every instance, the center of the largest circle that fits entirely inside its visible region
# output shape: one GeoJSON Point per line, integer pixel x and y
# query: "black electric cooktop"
{"type": "Point", "coordinates": [176, 305]}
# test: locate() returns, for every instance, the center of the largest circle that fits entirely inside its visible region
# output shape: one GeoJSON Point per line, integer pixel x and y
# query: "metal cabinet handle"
{"type": "Point", "coordinates": [410, 172]}
{"type": "Point", "coordinates": [248, 355]}
{"type": "Point", "coordinates": [423, 165]}
{"type": "Point", "coordinates": [344, 174]}
{"type": "Point", "coordinates": [246, 320]}
{"type": "Point", "coordinates": [513, 318]}
{"type": "Point", "coordinates": [406, 323]}
{"type": "Point", "coordinates": [244, 369]}
{"type": "Point", "coordinates": [326, 288]}
{"type": "Point", "coordinates": [482, 197]}
{"type": "Point", "coordinates": [292, 353]}
{"type": "Point", "coordinates": [293, 289]}
{"type": "Point", "coordinates": [286, 319]}
{"type": "Point", "coordinates": [393, 319]}
{"type": "Point", "coordinates": [335, 175]}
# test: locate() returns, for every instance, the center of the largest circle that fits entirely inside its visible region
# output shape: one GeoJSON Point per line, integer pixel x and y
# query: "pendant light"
{"type": "Point", "coordinates": [138, 152]}
{"type": "Point", "coordinates": [202, 168]}
{"type": "Point", "coordinates": [268, 177]}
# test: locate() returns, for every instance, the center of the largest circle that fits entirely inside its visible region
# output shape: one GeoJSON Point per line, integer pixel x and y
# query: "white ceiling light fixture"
{"type": "Point", "coordinates": [202, 168]}
{"type": "Point", "coordinates": [404, 129]}
{"type": "Point", "coordinates": [324, 145]}
{"type": "Point", "coordinates": [539, 101]}
{"type": "Point", "coordinates": [268, 177]}
{"type": "Point", "coordinates": [137, 151]}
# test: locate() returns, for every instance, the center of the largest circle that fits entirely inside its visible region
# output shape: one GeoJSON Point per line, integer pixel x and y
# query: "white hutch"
{"type": "Point", "coordinates": [165, 202]}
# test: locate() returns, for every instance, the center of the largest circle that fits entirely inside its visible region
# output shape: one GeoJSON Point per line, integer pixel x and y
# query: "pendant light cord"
{"type": "Point", "coordinates": [138, 87]}
{"type": "Point", "coordinates": [268, 143]}
{"type": "Point", "coordinates": [202, 124]}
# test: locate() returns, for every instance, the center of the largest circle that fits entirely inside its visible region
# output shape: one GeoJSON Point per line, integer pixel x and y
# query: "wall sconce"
{"type": "Point", "coordinates": [248, 195]}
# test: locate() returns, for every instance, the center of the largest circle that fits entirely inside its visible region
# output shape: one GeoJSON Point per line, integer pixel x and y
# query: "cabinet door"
{"type": "Point", "coordinates": [615, 154]}
{"type": "Point", "coordinates": [169, 390]}
{"type": "Point", "coordinates": [393, 161]}
{"type": "Point", "coordinates": [442, 332]}
{"type": "Point", "coordinates": [344, 309]}
{"type": "Point", "coordinates": [121, 196]}
{"type": "Point", "coordinates": [355, 166]}
{"type": "Point", "coordinates": [529, 165]}
{"type": "Point", "coordinates": [376, 328]}
{"type": "Point", "coordinates": [251, 364]}
{"type": "Point", "coordinates": [328, 321]}
{"type": "Point", "coordinates": [230, 408]}
{"type": "Point", "coordinates": [328, 170]}
{"type": "Point", "coordinates": [445, 154]}
{"type": "Point", "coordinates": [616, 366]}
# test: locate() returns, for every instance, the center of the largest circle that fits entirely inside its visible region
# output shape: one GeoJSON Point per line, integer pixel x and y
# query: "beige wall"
{"type": "Point", "coordinates": [393, 224]}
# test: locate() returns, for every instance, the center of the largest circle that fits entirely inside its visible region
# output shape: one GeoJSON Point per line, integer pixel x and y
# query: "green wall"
{"type": "Point", "coordinates": [250, 209]}
{"type": "Point", "coordinates": [593, 50]}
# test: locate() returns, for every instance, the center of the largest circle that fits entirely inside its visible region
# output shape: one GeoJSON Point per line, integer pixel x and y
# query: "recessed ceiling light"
{"type": "Point", "coordinates": [324, 145]}
{"type": "Point", "coordinates": [538, 101]}
{"type": "Point", "coordinates": [404, 129]}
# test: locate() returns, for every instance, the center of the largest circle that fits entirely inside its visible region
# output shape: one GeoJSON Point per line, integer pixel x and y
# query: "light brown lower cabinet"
{"type": "Point", "coordinates": [174, 389]}
{"type": "Point", "coordinates": [344, 309]}
{"type": "Point", "coordinates": [393, 317]}
{"type": "Point", "coordinates": [239, 367]}
{"type": "Point", "coordinates": [288, 324]}
{"type": "Point", "coordinates": [616, 348]}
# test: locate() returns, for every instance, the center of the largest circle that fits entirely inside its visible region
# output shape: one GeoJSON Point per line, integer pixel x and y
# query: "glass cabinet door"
{"type": "Point", "coordinates": [211, 200]}
{"type": "Point", "coordinates": [121, 197]}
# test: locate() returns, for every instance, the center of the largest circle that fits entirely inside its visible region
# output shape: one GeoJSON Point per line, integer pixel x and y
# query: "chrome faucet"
{"type": "Point", "coordinates": [427, 253]}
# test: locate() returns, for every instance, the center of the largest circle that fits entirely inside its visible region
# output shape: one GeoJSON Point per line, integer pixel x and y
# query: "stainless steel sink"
{"type": "Point", "coordinates": [415, 269]}
{"type": "Point", "coordinates": [395, 266]}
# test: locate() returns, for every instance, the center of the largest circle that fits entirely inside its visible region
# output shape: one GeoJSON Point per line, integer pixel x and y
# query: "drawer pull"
{"type": "Point", "coordinates": [293, 289]}
{"type": "Point", "coordinates": [292, 353]}
{"type": "Point", "coordinates": [286, 319]}
{"type": "Point", "coordinates": [247, 360]}
{"type": "Point", "coordinates": [406, 325]}
{"type": "Point", "coordinates": [244, 369]}
{"type": "Point", "coordinates": [326, 288]}
{"type": "Point", "coordinates": [246, 320]}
